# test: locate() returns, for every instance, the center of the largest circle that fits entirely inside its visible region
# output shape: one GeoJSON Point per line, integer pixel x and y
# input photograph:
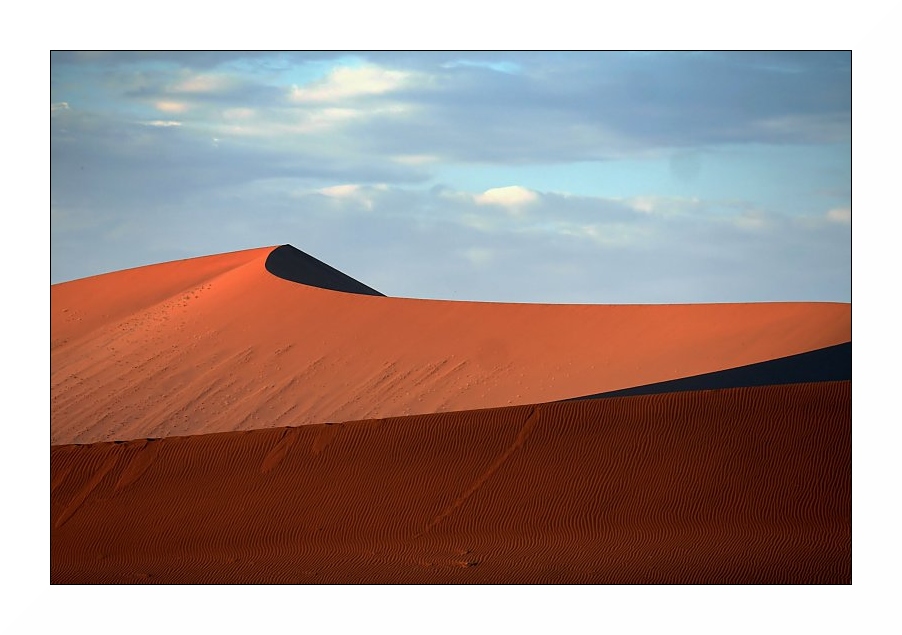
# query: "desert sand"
{"type": "Point", "coordinates": [261, 417]}
{"type": "Point", "coordinates": [220, 344]}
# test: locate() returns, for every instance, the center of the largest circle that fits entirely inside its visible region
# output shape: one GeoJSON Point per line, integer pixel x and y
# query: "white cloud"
{"type": "Point", "coordinates": [340, 191]}
{"type": "Point", "coordinates": [58, 107]}
{"type": "Point", "coordinates": [512, 197]}
{"type": "Point", "coordinates": [359, 194]}
{"type": "Point", "coordinates": [500, 67]}
{"type": "Point", "coordinates": [644, 204]}
{"type": "Point", "coordinates": [663, 205]}
{"type": "Point", "coordinates": [347, 83]}
{"type": "Point", "coordinates": [171, 106]}
{"type": "Point", "coordinates": [160, 123]}
{"type": "Point", "coordinates": [202, 84]}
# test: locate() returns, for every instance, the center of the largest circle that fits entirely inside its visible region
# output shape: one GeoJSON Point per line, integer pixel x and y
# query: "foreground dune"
{"type": "Point", "coordinates": [221, 344]}
{"type": "Point", "coordinates": [744, 485]}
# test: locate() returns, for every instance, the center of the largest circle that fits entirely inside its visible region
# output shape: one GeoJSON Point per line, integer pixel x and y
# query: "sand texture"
{"type": "Point", "coordinates": [260, 417]}
{"type": "Point", "coordinates": [746, 485]}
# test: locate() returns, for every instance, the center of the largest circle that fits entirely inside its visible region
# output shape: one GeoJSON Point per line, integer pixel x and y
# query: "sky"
{"type": "Point", "coordinates": [559, 177]}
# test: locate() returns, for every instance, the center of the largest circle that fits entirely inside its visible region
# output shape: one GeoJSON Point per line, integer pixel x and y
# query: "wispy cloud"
{"type": "Point", "coordinates": [500, 66]}
{"type": "Point", "coordinates": [346, 83]}
{"type": "Point", "coordinates": [162, 123]}
{"type": "Point", "coordinates": [169, 106]}
{"type": "Point", "coordinates": [201, 84]}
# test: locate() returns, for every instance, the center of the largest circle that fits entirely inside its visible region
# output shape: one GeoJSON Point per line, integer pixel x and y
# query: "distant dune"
{"type": "Point", "coordinates": [220, 344]}
{"type": "Point", "coordinates": [259, 416]}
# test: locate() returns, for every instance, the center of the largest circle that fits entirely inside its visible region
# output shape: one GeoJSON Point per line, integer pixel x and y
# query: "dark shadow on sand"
{"type": "Point", "coordinates": [290, 263]}
{"type": "Point", "coordinates": [833, 363]}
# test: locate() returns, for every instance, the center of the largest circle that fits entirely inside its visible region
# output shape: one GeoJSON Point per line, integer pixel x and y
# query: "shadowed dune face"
{"type": "Point", "coordinates": [744, 485]}
{"type": "Point", "coordinates": [221, 344]}
{"type": "Point", "coordinates": [833, 363]}
{"type": "Point", "coordinates": [293, 264]}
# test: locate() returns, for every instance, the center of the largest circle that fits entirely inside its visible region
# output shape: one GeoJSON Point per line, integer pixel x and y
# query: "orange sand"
{"type": "Point", "coordinates": [218, 344]}
{"type": "Point", "coordinates": [745, 485]}
{"type": "Point", "coordinates": [315, 436]}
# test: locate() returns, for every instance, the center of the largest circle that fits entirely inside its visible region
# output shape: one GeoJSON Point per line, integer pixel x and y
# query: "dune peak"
{"type": "Point", "coordinates": [290, 263]}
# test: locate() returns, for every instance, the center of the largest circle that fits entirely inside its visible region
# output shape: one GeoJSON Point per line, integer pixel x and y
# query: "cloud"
{"type": "Point", "coordinates": [636, 139]}
{"type": "Point", "coordinates": [448, 106]}
{"type": "Point", "coordinates": [358, 194]}
{"type": "Point", "coordinates": [664, 205]}
{"type": "Point", "coordinates": [340, 191]}
{"type": "Point", "coordinates": [170, 106]}
{"type": "Point", "coordinates": [200, 84]}
{"type": "Point", "coordinates": [564, 249]}
{"type": "Point", "coordinates": [500, 66]}
{"type": "Point", "coordinates": [513, 197]}
{"type": "Point", "coordinates": [160, 123]}
{"type": "Point", "coordinates": [345, 83]}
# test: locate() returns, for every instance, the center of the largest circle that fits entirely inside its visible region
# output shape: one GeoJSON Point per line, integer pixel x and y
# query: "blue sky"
{"type": "Point", "coordinates": [607, 177]}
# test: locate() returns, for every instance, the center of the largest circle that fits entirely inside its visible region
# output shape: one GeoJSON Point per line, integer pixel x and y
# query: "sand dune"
{"type": "Point", "coordinates": [221, 344]}
{"type": "Point", "coordinates": [744, 485]}
{"type": "Point", "coordinates": [261, 417]}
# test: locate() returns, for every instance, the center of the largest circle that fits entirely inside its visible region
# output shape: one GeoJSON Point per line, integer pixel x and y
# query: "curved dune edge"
{"type": "Point", "coordinates": [292, 264]}
{"type": "Point", "coordinates": [220, 344]}
{"type": "Point", "coordinates": [833, 363]}
{"type": "Point", "coordinates": [746, 485]}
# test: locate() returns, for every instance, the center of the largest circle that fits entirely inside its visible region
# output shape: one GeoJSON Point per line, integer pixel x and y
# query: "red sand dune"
{"type": "Point", "coordinates": [219, 344]}
{"type": "Point", "coordinates": [745, 485]}
{"type": "Point", "coordinates": [211, 422]}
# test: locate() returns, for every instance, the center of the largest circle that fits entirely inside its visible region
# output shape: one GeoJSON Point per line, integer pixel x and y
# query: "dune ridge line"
{"type": "Point", "coordinates": [220, 344]}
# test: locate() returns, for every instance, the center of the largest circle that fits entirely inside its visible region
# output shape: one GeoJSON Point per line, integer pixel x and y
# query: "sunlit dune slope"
{"type": "Point", "coordinates": [743, 485]}
{"type": "Point", "coordinates": [219, 344]}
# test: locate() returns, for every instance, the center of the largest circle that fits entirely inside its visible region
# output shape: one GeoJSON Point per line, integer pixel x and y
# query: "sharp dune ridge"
{"type": "Point", "coordinates": [261, 417]}
{"type": "Point", "coordinates": [220, 344]}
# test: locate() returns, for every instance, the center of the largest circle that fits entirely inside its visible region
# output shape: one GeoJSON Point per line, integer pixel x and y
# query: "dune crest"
{"type": "Point", "coordinates": [261, 417]}
{"type": "Point", "coordinates": [220, 344]}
